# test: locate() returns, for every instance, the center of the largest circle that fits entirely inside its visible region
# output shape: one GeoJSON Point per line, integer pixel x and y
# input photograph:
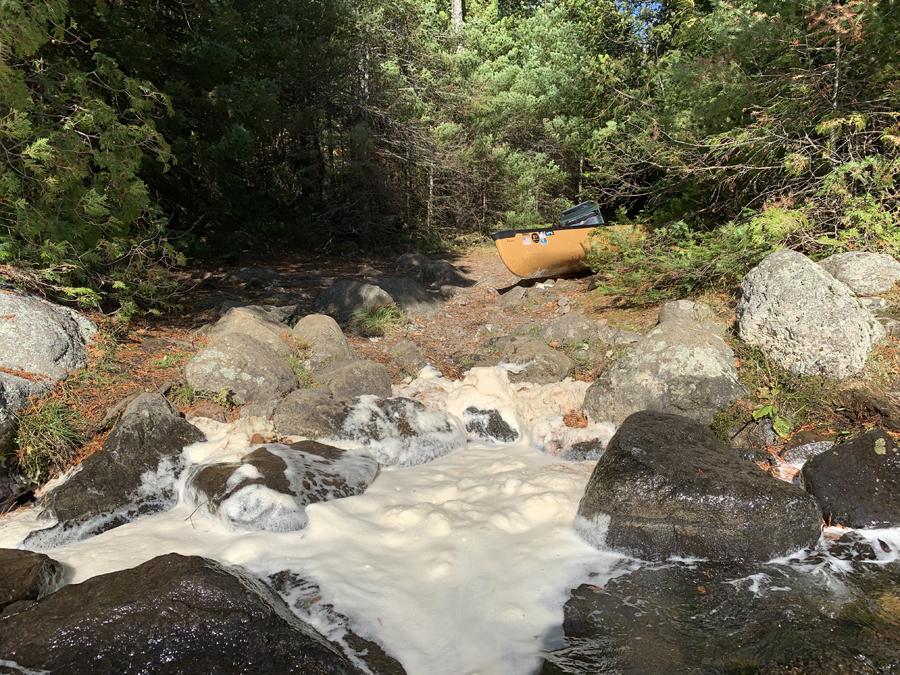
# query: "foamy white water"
{"type": "Point", "coordinates": [460, 566]}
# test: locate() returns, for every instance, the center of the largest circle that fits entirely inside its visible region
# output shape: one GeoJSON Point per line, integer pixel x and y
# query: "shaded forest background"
{"type": "Point", "coordinates": [135, 135]}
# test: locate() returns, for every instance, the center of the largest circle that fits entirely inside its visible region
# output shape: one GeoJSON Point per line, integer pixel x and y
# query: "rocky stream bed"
{"type": "Point", "coordinates": [513, 480]}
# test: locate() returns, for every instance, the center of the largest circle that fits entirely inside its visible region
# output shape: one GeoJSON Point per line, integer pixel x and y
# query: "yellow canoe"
{"type": "Point", "coordinates": [551, 252]}
{"type": "Point", "coordinates": [535, 254]}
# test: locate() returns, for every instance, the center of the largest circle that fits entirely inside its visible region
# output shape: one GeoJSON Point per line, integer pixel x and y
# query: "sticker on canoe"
{"type": "Point", "coordinates": [543, 237]}
{"type": "Point", "coordinates": [526, 240]}
{"type": "Point", "coordinates": [535, 237]}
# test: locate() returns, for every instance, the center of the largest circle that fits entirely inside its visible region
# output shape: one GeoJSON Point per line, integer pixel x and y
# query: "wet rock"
{"type": "Point", "coordinates": [864, 273]}
{"type": "Point", "coordinates": [569, 329]}
{"type": "Point", "coordinates": [242, 365]}
{"type": "Point", "coordinates": [314, 413]}
{"type": "Point", "coordinates": [325, 341]}
{"type": "Point", "coordinates": [488, 425]}
{"type": "Point", "coordinates": [348, 296]}
{"type": "Point", "coordinates": [858, 482]}
{"type": "Point", "coordinates": [537, 362]}
{"type": "Point", "coordinates": [584, 451]}
{"type": "Point", "coordinates": [805, 320]}
{"type": "Point", "coordinates": [800, 454]}
{"type": "Point", "coordinates": [411, 297]}
{"type": "Point", "coordinates": [305, 598]}
{"type": "Point", "coordinates": [402, 432]}
{"type": "Point", "coordinates": [27, 576]}
{"type": "Point", "coordinates": [41, 338]}
{"type": "Point", "coordinates": [270, 488]}
{"type": "Point", "coordinates": [131, 476]}
{"type": "Point", "coordinates": [350, 379]}
{"type": "Point", "coordinates": [666, 486]}
{"type": "Point", "coordinates": [702, 618]}
{"type": "Point", "coordinates": [257, 323]}
{"type": "Point", "coordinates": [754, 435]}
{"type": "Point", "coordinates": [173, 614]}
{"type": "Point", "coordinates": [679, 367]}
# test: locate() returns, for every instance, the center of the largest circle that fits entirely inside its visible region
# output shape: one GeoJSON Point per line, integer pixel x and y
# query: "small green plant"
{"type": "Point", "coordinates": [377, 321]}
{"type": "Point", "coordinates": [781, 425]}
{"type": "Point", "coordinates": [46, 439]}
{"type": "Point", "coordinates": [166, 361]}
{"type": "Point", "coordinates": [225, 398]}
{"type": "Point", "coordinates": [184, 395]}
{"type": "Point", "coordinates": [304, 377]}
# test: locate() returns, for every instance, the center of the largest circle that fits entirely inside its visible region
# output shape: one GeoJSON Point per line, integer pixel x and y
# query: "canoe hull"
{"type": "Point", "coordinates": [536, 254]}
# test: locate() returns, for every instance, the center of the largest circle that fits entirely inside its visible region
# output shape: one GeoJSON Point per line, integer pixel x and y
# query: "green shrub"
{"type": "Point", "coordinates": [378, 320]}
{"type": "Point", "coordinates": [675, 261]}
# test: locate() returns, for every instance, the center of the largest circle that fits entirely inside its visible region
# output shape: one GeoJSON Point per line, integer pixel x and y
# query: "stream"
{"type": "Point", "coordinates": [470, 565]}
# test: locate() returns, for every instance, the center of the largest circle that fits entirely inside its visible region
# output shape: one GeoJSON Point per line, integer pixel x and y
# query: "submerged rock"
{"type": "Point", "coordinates": [27, 576]}
{"type": "Point", "coordinates": [270, 488]}
{"type": "Point", "coordinates": [857, 482]}
{"type": "Point", "coordinates": [173, 614]}
{"type": "Point", "coordinates": [489, 425]}
{"type": "Point", "coordinates": [132, 475]}
{"type": "Point", "coordinates": [666, 486]}
{"type": "Point", "coordinates": [804, 319]}
{"type": "Point", "coordinates": [401, 432]}
{"type": "Point", "coordinates": [703, 618]}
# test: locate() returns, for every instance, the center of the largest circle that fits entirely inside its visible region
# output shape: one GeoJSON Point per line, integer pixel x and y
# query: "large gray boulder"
{"type": "Point", "coordinates": [346, 297]}
{"type": "Point", "coordinates": [411, 297]}
{"type": "Point", "coordinates": [804, 319]}
{"type": "Point", "coordinates": [42, 338]}
{"type": "Point", "coordinates": [680, 367]}
{"type": "Point", "coordinates": [857, 482]}
{"type": "Point", "coordinates": [537, 362]}
{"type": "Point", "coordinates": [864, 273]}
{"type": "Point", "coordinates": [132, 475]}
{"type": "Point", "coordinates": [350, 379]}
{"type": "Point", "coordinates": [243, 365]}
{"type": "Point", "coordinates": [173, 614]}
{"type": "Point", "coordinates": [324, 339]}
{"type": "Point", "coordinates": [666, 486]}
{"type": "Point", "coordinates": [250, 495]}
{"type": "Point", "coordinates": [258, 323]}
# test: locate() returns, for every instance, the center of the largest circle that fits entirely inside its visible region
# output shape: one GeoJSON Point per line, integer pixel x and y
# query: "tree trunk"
{"type": "Point", "coordinates": [456, 13]}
